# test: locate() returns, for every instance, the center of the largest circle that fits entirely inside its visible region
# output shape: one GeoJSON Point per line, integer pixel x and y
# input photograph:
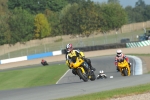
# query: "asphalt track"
{"type": "Point", "coordinates": [70, 85]}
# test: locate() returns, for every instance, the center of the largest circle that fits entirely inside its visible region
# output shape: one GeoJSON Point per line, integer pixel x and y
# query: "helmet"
{"type": "Point", "coordinates": [119, 52]}
{"type": "Point", "coordinates": [101, 71]}
{"type": "Point", "coordinates": [69, 47]}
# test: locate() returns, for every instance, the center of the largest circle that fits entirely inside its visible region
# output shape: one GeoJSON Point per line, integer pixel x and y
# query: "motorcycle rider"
{"type": "Point", "coordinates": [76, 53]}
{"type": "Point", "coordinates": [44, 62]}
{"type": "Point", "coordinates": [120, 55]}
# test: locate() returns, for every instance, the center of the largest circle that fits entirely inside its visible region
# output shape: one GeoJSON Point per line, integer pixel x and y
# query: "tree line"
{"type": "Point", "coordinates": [24, 20]}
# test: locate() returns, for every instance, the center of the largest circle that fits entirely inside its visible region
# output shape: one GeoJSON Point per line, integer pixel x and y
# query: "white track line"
{"type": "Point", "coordinates": [63, 76]}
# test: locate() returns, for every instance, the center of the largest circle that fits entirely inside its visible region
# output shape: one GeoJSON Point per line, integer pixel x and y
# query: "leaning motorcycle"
{"type": "Point", "coordinates": [124, 67]}
{"type": "Point", "coordinates": [82, 69]}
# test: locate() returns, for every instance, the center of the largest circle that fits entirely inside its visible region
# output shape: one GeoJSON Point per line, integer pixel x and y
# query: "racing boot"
{"type": "Point", "coordinates": [89, 63]}
{"type": "Point", "coordinates": [92, 68]}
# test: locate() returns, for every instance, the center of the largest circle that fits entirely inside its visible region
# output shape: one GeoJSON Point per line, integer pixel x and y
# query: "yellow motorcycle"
{"type": "Point", "coordinates": [124, 67]}
{"type": "Point", "coordinates": [82, 69]}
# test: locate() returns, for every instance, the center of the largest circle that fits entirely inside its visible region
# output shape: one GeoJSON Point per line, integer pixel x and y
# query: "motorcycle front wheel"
{"type": "Point", "coordinates": [125, 72]}
{"type": "Point", "coordinates": [83, 76]}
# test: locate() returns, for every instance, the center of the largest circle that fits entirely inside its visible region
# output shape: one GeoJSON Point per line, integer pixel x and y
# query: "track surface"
{"type": "Point", "coordinates": [71, 85]}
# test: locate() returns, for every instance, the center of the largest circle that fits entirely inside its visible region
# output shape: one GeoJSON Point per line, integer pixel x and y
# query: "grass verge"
{"type": "Point", "coordinates": [106, 95]}
{"type": "Point", "coordinates": [30, 77]}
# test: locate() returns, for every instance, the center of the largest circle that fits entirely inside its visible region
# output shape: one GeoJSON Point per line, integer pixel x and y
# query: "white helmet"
{"type": "Point", "coordinates": [101, 71]}
{"type": "Point", "coordinates": [119, 52]}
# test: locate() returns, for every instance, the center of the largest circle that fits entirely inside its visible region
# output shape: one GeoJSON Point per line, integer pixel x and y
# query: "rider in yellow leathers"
{"type": "Point", "coordinates": [70, 54]}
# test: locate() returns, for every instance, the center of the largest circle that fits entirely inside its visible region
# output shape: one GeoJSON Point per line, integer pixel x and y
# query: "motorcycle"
{"type": "Point", "coordinates": [101, 75]}
{"type": "Point", "coordinates": [124, 67]}
{"type": "Point", "coordinates": [44, 62]}
{"type": "Point", "coordinates": [82, 69]}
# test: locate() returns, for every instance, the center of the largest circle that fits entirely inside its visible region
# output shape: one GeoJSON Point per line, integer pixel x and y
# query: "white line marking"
{"type": "Point", "coordinates": [63, 76]}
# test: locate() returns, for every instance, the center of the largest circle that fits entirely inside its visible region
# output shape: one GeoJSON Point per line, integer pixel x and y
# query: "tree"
{"type": "Point", "coordinates": [54, 20]}
{"type": "Point", "coordinates": [37, 6]}
{"type": "Point", "coordinates": [114, 1]}
{"type": "Point", "coordinates": [4, 28]}
{"type": "Point", "coordinates": [130, 14]}
{"type": "Point", "coordinates": [139, 13]}
{"type": "Point", "coordinates": [42, 27]}
{"type": "Point", "coordinates": [21, 25]}
{"type": "Point", "coordinates": [74, 1]}
{"type": "Point", "coordinates": [140, 3]}
{"type": "Point", "coordinates": [33, 6]}
{"type": "Point", "coordinates": [147, 14]}
{"type": "Point", "coordinates": [113, 17]}
{"type": "Point", "coordinates": [56, 5]}
{"type": "Point", "coordinates": [69, 19]}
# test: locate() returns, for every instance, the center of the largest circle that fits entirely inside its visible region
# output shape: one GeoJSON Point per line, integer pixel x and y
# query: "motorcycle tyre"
{"type": "Point", "coordinates": [93, 77]}
{"type": "Point", "coordinates": [83, 77]}
{"type": "Point", "coordinates": [125, 72]}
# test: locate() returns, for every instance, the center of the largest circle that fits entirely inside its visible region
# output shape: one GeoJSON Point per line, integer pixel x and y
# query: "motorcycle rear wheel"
{"type": "Point", "coordinates": [93, 77]}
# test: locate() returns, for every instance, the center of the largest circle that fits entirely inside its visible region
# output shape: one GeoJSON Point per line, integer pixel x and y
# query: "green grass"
{"type": "Point", "coordinates": [105, 95]}
{"type": "Point", "coordinates": [30, 77]}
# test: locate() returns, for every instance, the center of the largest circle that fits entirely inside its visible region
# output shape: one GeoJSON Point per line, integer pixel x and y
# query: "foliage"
{"type": "Point", "coordinates": [113, 16]}
{"type": "Point", "coordinates": [37, 6]}
{"type": "Point", "coordinates": [69, 19]}
{"type": "Point", "coordinates": [53, 19]}
{"type": "Point", "coordinates": [21, 24]}
{"type": "Point", "coordinates": [3, 7]}
{"type": "Point", "coordinates": [33, 6]}
{"type": "Point", "coordinates": [79, 18]}
{"type": "Point", "coordinates": [65, 17]}
{"type": "Point", "coordinates": [4, 37]}
{"type": "Point", "coordinates": [42, 27]}
{"type": "Point", "coordinates": [140, 3]}
{"type": "Point", "coordinates": [114, 1]}
{"type": "Point", "coordinates": [74, 1]}
{"type": "Point", "coordinates": [139, 13]}
{"type": "Point", "coordinates": [56, 5]}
